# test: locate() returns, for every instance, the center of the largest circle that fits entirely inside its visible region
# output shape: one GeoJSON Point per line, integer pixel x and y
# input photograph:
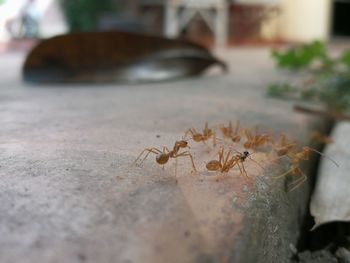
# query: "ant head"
{"type": "Point", "coordinates": [182, 143]}
{"type": "Point", "coordinates": [246, 153]}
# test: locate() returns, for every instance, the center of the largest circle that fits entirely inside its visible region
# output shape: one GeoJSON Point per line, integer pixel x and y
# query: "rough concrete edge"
{"type": "Point", "coordinates": [328, 189]}
{"type": "Point", "coordinates": [274, 216]}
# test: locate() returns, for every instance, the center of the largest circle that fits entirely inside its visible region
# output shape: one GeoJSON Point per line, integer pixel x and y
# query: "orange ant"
{"type": "Point", "coordinates": [224, 165]}
{"type": "Point", "coordinates": [202, 137]}
{"type": "Point", "coordinates": [162, 157]}
{"type": "Point", "coordinates": [284, 146]}
{"type": "Point", "coordinates": [229, 132]}
{"type": "Point", "coordinates": [322, 138]}
{"type": "Point", "coordinates": [297, 158]}
{"type": "Point", "coordinates": [256, 140]}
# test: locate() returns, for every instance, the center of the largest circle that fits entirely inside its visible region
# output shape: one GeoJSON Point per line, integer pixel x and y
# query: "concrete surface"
{"type": "Point", "coordinates": [330, 199]}
{"type": "Point", "coordinates": [67, 193]}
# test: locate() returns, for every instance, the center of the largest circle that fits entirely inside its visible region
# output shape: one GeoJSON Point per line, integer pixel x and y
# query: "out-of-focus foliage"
{"type": "Point", "coordinates": [2, 1]}
{"type": "Point", "coordinates": [280, 89]}
{"type": "Point", "coordinates": [345, 58]}
{"type": "Point", "coordinates": [303, 56]}
{"type": "Point", "coordinates": [83, 15]}
{"type": "Point", "coordinates": [328, 84]}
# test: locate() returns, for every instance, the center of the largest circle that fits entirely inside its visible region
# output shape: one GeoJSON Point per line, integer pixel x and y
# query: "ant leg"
{"type": "Point", "coordinates": [238, 125]}
{"type": "Point", "coordinates": [191, 131]}
{"type": "Point", "coordinates": [244, 170]}
{"type": "Point", "coordinates": [186, 133]}
{"type": "Point", "coordinates": [284, 174]}
{"type": "Point", "coordinates": [298, 182]}
{"type": "Point", "coordinates": [165, 149]}
{"type": "Point", "coordinates": [239, 167]}
{"type": "Point", "coordinates": [151, 150]}
{"type": "Point", "coordinates": [190, 156]}
{"type": "Point", "coordinates": [226, 158]}
{"type": "Point", "coordinates": [239, 164]}
{"type": "Point", "coordinates": [176, 169]}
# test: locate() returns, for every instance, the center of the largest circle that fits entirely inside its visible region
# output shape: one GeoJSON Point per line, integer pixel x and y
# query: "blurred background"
{"type": "Point", "coordinates": [82, 124]}
{"type": "Point", "coordinates": [210, 22]}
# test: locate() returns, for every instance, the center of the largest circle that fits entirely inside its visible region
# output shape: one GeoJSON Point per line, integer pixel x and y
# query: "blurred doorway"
{"type": "Point", "coordinates": [341, 18]}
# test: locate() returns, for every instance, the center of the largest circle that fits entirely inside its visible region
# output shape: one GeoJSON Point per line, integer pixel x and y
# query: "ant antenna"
{"type": "Point", "coordinates": [256, 162]}
{"type": "Point", "coordinates": [323, 155]}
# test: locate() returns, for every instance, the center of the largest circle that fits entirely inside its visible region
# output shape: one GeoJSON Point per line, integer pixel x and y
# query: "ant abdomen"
{"type": "Point", "coordinates": [213, 165]}
{"type": "Point", "coordinates": [162, 158]}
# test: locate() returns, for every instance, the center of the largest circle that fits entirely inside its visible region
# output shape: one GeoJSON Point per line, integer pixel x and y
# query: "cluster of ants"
{"type": "Point", "coordinates": [228, 158]}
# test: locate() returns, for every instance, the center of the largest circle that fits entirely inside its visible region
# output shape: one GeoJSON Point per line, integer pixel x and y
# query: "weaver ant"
{"type": "Point", "coordinates": [295, 169]}
{"type": "Point", "coordinates": [224, 165]}
{"type": "Point", "coordinates": [229, 132]}
{"type": "Point", "coordinates": [284, 147]}
{"type": "Point", "coordinates": [254, 141]}
{"type": "Point", "coordinates": [201, 137]}
{"type": "Point", "coordinates": [163, 156]}
{"type": "Point", "coordinates": [322, 138]}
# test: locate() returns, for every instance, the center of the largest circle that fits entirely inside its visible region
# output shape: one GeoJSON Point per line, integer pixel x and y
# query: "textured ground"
{"type": "Point", "coordinates": [67, 193]}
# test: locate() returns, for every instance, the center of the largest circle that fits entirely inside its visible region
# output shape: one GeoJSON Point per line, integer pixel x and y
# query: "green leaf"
{"type": "Point", "coordinates": [302, 56]}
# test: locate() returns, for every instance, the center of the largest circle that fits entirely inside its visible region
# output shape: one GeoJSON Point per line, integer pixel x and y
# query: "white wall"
{"type": "Point", "coordinates": [8, 10]}
{"type": "Point", "coordinates": [304, 20]}
{"type": "Point", "coordinates": [52, 21]}
{"type": "Point", "coordinates": [300, 21]}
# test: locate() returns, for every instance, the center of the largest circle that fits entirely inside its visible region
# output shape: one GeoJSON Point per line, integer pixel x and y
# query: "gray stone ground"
{"type": "Point", "coordinates": [67, 193]}
{"type": "Point", "coordinates": [330, 200]}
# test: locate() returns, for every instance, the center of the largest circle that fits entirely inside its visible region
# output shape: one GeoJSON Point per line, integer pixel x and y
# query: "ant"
{"type": "Point", "coordinates": [284, 146]}
{"type": "Point", "coordinates": [322, 138]}
{"type": "Point", "coordinates": [298, 157]}
{"type": "Point", "coordinates": [202, 137]}
{"type": "Point", "coordinates": [229, 132]}
{"type": "Point", "coordinates": [256, 140]}
{"type": "Point", "coordinates": [162, 157]}
{"type": "Point", "coordinates": [224, 165]}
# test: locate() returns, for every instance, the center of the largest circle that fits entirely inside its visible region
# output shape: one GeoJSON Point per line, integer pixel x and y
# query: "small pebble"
{"type": "Point", "coordinates": [343, 255]}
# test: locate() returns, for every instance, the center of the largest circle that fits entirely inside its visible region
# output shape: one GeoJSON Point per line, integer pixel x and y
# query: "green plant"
{"type": "Point", "coordinates": [330, 85]}
{"type": "Point", "coordinates": [280, 89]}
{"type": "Point", "coordinates": [345, 58]}
{"type": "Point", "coordinates": [301, 57]}
{"type": "Point", "coordinates": [83, 15]}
